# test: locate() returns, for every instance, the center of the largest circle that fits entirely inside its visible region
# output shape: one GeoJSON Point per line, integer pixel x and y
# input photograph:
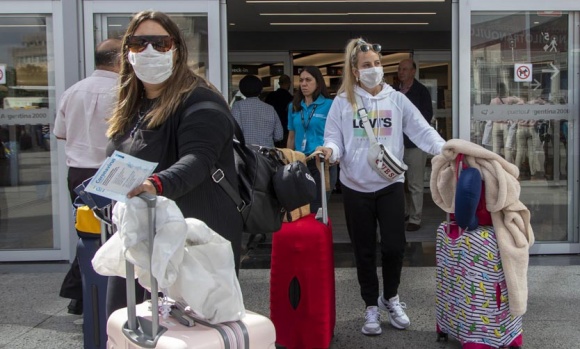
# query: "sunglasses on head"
{"type": "Point", "coordinates": [364, 47]}
{"type": "Point", "coordinates": [138, 43]}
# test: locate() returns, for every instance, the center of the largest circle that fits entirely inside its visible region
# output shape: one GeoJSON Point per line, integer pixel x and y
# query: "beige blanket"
{"type": "Point", "coordinates": [511, 218]}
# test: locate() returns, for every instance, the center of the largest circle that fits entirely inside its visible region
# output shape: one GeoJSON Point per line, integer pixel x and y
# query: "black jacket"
{"type": "Point", "coordinates": [419, 95]}
{"type": "Point", "coordinates": [185, 148]}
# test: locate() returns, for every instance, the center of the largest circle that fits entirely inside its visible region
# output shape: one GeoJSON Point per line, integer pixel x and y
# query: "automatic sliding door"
{"type": "Point", "coordinates": [523, 108]}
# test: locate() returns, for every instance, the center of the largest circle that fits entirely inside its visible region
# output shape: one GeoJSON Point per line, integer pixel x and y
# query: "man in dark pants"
{"type": "Point", "coordinates": [414, 157]}
{"type": "Point", "coordinates": [81, 122]}
{"type": "Point", "coordinates": [280, 99]}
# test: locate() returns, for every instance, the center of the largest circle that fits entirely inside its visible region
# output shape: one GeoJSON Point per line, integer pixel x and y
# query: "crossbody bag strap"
{"type": "Point", "coordinates": [217, 175]}
{"type": "Point", "coordinates": [362, 113]}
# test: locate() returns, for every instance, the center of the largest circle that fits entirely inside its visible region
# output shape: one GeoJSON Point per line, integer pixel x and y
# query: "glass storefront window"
{"type": "Point", "coordinates": [26, 119]}
{"type": "Point", "coordinates": [519, 99]}
{"type": "Point", "coordinates": [193, 27]}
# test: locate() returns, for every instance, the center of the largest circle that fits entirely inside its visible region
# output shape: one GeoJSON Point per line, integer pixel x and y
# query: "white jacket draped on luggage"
{"type": "Point", "coordinates": [191, 262]}
{"type": "Point", "coordinates": [510, 217]}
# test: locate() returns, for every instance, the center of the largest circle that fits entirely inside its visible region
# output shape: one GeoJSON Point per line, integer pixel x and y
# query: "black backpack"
{"type": "Point", "coordinates": [256, 165]}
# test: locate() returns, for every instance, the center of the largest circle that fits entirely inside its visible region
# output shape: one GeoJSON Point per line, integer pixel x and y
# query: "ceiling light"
{"type": "Point", "coordinates": [303, 14]}
{"type": "Point", "coordinates": [391, 13]}
{"type": "Point", "coordinates": [350, 23]}
{"type": "Point", "coordinates": [349, 14]}
{"type": "Point", "coordinates": [343, 1]}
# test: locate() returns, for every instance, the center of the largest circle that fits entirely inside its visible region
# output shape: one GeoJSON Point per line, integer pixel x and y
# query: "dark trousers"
{"type": "Point", "coordinates": [72, 286]}
{"type": "Point", "coordinates": [363, 211]}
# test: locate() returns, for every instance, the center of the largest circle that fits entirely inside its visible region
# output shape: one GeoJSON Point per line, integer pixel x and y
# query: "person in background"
{"type": "Point", "coordinates": [306, 122]}
{"type": "Point", "coordinates": [259, 122]}
{"type": "Point", "coordinates": [280, 99]}
{"type": "Point", "coordinates": [503, 131]}
{"type": "Point", "coordinates": [149, 122]}
{"type": "Point", "coordinates": [81, 121]}
{"type": "Point", "coordinates": [414, 157]}
{"type": "Point", "coordinates": [367, 196]}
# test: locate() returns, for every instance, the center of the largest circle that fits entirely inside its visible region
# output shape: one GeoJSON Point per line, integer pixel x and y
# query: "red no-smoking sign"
{"type": "Point", "coordinates": [522, 72]}
{"type": "Point", "coordinates": [2, 74]}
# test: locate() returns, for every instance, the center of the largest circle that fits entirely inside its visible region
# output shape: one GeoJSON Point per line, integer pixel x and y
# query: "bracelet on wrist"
{"type": "Point", "coordinates": [154, 179]}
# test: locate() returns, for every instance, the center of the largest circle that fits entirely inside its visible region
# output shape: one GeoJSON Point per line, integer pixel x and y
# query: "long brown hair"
{"type": "Point", "coordinates": [320, 88]}
{"type": "Point", "coordinates": [175, 89]}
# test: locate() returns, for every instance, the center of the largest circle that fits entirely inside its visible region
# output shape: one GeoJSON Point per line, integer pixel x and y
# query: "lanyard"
{"type": "Point", "coordinates": [309, 117]}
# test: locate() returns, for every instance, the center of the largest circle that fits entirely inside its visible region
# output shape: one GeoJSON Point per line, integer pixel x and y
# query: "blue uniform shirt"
{"type": "Point", "coordinates": [302, 123]}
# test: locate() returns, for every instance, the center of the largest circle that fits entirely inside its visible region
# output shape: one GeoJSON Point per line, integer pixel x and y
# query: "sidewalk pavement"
{"type": "Point", "coordinates": [36, 317]}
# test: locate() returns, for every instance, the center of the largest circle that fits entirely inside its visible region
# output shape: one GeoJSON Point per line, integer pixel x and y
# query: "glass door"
{"type": "Point", "coordinates": [30, 59]}
{"type": "Point", "coordinates": [199, 21]}
{"type": "Point", "coordinates": [523, 105]}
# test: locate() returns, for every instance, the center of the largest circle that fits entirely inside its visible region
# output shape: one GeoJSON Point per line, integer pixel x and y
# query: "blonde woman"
{"type": "Point", "coordinates": [369, 198]}
{"type": "Point", "coordinates": [149, 122]}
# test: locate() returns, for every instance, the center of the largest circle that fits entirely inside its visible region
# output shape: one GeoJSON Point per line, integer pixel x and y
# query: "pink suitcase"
{"type": "Point", "coordinates": [254, 331]}
{"type": "Point", "coordinates": [137, 327]}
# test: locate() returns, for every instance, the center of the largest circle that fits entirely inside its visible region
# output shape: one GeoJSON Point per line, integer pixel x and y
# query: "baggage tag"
{"type": "Point", "coordinates": [304, 143]}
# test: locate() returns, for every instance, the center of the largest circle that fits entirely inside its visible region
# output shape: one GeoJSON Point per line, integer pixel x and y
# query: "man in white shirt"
{"type": "Point", "coordinates": [81, 121]}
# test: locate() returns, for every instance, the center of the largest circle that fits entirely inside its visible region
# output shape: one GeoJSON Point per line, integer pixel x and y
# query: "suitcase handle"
{"type": "Point", "coordinates": [139, 330]}
{"type": "Point", "coordinates": [323, 191]}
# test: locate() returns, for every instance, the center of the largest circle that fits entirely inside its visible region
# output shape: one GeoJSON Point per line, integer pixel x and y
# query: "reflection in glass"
{"type": "Point", "coordinates": [519, 96]}
{"type": "Point", "coordinates": [26, 97]}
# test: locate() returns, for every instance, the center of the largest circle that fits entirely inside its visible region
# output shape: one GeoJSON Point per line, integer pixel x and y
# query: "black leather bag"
{"type": "Point", "coordinates": [257, 166]}
{"type": "Point", "coordinates": [255, 197]}
{"type": "Point", "coordinates": [294, 185]}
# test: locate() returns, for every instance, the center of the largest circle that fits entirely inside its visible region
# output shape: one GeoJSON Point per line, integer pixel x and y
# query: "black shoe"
{"type": "Point", "coordinates": [75, 307]}
{"type": "Point", "coordinates": [413, 227]}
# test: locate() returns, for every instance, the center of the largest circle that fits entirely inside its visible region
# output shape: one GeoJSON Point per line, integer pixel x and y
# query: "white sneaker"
{"type": "Point", "coordinates": [372, 325]}
{"type": "Point", "coordinates": [395, 311]}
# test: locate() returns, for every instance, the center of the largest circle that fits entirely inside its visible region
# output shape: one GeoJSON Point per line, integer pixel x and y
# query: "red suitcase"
{"type": "Point", "coordinates": [302, 296]}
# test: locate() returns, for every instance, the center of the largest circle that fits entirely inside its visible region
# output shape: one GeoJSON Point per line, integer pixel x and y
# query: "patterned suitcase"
{"type": "Point", "coordinates": [471, 297]}
{"type": "Point", "coordinates": [138, 327]}
{"type": "Point", "coordinates": [302, 284]}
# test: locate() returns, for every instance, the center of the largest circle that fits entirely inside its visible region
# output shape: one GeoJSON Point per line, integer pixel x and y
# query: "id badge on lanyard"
{"type": "Point", "coordinates": [305, 125]}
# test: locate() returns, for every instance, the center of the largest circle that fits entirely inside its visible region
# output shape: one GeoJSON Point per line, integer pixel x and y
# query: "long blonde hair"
{"type": "Point", "coordinates": [175, 89]}
{"type": "Point", "coordinates": [351, 62]}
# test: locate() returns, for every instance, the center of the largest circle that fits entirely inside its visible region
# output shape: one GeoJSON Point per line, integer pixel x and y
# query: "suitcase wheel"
{"type": "Point", "coordinates": [441, 336]}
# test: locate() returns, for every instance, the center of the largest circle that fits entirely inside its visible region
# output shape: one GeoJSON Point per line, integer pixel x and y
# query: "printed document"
{"type": "Point", "coordinates": [118, 175]}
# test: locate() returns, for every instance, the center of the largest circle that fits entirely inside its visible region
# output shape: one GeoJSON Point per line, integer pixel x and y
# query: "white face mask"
{"type": "Point", "coordinates": [152, 66]}
{"type": "Point", "coordinates": [371, 77]}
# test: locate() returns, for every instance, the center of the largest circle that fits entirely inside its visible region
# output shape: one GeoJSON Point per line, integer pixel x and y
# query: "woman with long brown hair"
{"type": "Point", "coordinates": [149, 122]}
{"type": "Point", "coordinates": [306, 120]}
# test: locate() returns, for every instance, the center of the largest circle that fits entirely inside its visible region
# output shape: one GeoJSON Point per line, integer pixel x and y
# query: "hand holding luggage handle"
{"type": "Point", "coordinates": [139, 330]}
{"type": "Point", "coordinates": [323, 192]}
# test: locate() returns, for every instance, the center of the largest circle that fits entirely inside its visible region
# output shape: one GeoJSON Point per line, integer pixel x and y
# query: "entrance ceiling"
{"type": "Point", "coordinates": [334, 16]}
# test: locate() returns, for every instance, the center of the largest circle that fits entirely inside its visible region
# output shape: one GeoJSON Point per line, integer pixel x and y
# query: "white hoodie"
{"type": "Point", "coordinates": [345, 134]}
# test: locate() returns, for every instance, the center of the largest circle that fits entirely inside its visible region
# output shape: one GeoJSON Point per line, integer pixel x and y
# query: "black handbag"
{"type": "Point", "coordinates": [294, 185]}
{"type": "Point", "coordinates": [255, 197]}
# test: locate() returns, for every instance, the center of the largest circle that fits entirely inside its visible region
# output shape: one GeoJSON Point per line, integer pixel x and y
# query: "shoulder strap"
{"type": "Point", "coordinates": [217, 174]}
{"type": "Point", "coordinates": [362, 113]}
{"type": "Point", "coordinates": [216, 106]}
